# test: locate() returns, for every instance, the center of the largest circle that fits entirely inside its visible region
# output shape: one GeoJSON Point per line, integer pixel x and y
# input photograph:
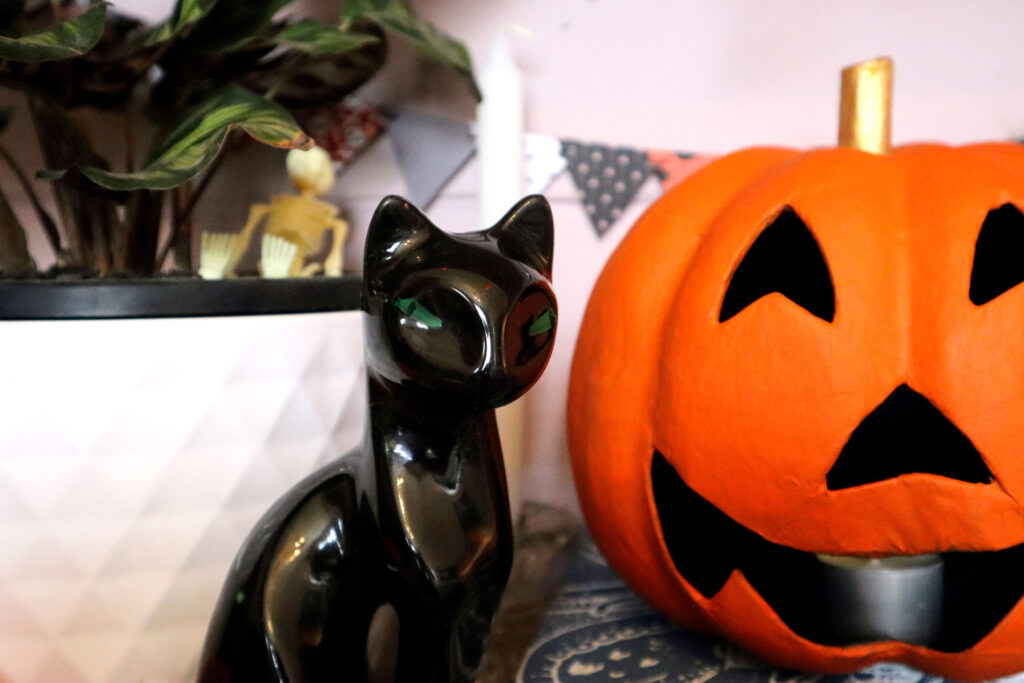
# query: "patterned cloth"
{"type": "Point", "coordinates": [344, 130]}
{"type": "Point", "coordinates": [607, 178]}
{"type": "Point", "coordinates": [598, 631]}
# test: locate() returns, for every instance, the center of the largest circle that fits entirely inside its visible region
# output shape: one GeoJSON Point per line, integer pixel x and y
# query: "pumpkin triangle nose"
{"type": "Point", "coordinates": [906, 434]}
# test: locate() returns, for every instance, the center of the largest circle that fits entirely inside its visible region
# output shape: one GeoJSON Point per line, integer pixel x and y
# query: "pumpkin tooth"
{"type": "Point", "coordinates": [702, 541]}
{"type": "Point", "coordinates": [963, 595]}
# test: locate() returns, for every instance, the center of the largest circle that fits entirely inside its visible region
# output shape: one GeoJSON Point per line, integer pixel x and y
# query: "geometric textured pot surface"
{"type": "Point", "coordinates": [135, 456]}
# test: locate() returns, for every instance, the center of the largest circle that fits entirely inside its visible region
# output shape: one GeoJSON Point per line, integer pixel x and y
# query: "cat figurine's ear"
{"type": "Point", "coordinates": [396, 229]}
{"type": "Point", "coordinates": [527, 233]}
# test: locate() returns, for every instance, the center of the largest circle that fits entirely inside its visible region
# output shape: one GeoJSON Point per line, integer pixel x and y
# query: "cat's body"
{"type": "Point", "coordinates": [415, 519]}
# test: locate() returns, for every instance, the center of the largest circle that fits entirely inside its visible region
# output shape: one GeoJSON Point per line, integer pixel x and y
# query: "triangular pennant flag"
{"type": "Point", "coordinates": [673, 167]}
{"type": "Point", "coordinates": [543, 161]}
{"type": "Point", "coordinates": [429, 151]}
{"type": "Point", "coordinates": [607, 177]}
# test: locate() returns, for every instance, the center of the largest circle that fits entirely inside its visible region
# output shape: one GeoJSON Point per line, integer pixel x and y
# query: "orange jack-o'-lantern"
{"type": "Point", "coordinates": [797, 402]}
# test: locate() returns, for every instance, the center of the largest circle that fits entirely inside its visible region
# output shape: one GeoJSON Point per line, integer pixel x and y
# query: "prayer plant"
{"type": "Point", "coordinates": [227, 69]}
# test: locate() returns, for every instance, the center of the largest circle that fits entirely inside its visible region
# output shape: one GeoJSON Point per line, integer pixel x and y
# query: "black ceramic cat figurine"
{"type": "Point", "coordinates": [388, 564]}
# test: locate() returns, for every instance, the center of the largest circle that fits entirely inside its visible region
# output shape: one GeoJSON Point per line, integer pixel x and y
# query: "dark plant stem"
{"type": "Point", "coordinates": [14, 257]}
{"type": "Point", "coordinates": [282, 80]}
{"type": "Point", "coordinates": [154, 58]}
{"type": "Point", "coordinates": [136, 245]}
{"type": "Point", "coordinates": [182, 249]}
{"type": "Point", "coordinates": [28, 88]}
{"type": "Point", "coordinates": [144, 213]}
{"type": "Point", "coordinates": [63, 196]}
{"type": "Point", "coordinates": [178, 227]}
{"type": "Point", "coordinates": [129, 141]}
{"type": "Point", "coordinates": [45, 219]}
{"type": "Point", "coordinates": [101, 215]}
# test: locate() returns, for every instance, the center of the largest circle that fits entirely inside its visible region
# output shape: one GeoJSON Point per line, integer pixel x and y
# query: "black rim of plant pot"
{"type": "Point", "coordinates": [174, 298]}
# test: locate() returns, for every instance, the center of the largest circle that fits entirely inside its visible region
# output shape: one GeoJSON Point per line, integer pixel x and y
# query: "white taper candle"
{"type": "Point", "coordinates": [499, 128]}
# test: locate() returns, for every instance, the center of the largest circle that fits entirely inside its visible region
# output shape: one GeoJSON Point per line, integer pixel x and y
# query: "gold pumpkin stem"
{"type": "Point", "coordinates": [865, 106]}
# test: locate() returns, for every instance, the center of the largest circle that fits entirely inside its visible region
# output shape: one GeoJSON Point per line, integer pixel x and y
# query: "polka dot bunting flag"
{"type": "Point", "coordinates": [607, 178]}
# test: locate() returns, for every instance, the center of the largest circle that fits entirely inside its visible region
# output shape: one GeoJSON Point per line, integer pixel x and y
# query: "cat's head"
{"type": "Point", "coordinates": [471, 315]}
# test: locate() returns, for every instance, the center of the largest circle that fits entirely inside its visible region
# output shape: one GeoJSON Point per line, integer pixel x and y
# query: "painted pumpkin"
{"type": "Point", "coordinates": [803, 363]}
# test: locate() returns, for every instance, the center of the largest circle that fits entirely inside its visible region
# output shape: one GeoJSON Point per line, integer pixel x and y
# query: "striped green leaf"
{"type": "Point", "coordinates": [70, 38]}
{"type": "Point", "coordinates": [185, 14]}
{"type": "Point", "coordinates": [314, 38]}
{"type": "Point", "coordinates": [230, 25]}
{"type": "Point", "coordinates": [194, 142]}
{"type": "Point", "coordinates": [397, 16]}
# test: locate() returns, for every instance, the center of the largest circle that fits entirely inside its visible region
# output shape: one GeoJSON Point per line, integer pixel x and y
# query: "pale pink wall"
{"type": "Point", "coordinates": [692, 75]}
{"type": "Point", "coordinates": [716, 76]}
{"type": "Point", "coordinates": [733, 73]}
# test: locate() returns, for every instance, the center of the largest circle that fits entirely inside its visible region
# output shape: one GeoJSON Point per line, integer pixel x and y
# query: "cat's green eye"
{"type": "Point", "coordinates": [418, 312]}
{"type": "Point", "coordinates": [545, 322]}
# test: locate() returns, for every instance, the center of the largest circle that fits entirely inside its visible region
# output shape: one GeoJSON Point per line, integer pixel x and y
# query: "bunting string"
{"type": "Point", "coordinates": [431, 150]}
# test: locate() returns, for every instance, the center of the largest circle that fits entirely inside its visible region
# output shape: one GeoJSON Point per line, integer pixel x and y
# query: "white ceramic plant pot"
{"type": "Point", "coordinates": [135, 455]}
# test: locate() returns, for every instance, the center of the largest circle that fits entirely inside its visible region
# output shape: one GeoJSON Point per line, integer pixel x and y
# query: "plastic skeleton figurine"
{"type": "Point", "coordinates": [293, 227]}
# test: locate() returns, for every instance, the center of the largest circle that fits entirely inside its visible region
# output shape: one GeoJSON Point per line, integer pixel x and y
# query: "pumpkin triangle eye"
{"type": "Point", "coordinates": [998, 254]}
{"type": "Point", "coordinates": [785, 258]}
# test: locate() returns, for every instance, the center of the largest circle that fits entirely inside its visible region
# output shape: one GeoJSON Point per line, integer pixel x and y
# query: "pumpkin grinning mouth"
{"type": "Point", "coordinates": [978, 589]}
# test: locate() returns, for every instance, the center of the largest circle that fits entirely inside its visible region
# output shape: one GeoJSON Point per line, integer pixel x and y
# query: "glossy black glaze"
{"type": "Point", "coordinates": [417, 517]}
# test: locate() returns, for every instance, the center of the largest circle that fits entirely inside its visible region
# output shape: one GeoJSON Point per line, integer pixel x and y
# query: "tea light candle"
{"type": "Point", "coordinates": [891, 598]}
